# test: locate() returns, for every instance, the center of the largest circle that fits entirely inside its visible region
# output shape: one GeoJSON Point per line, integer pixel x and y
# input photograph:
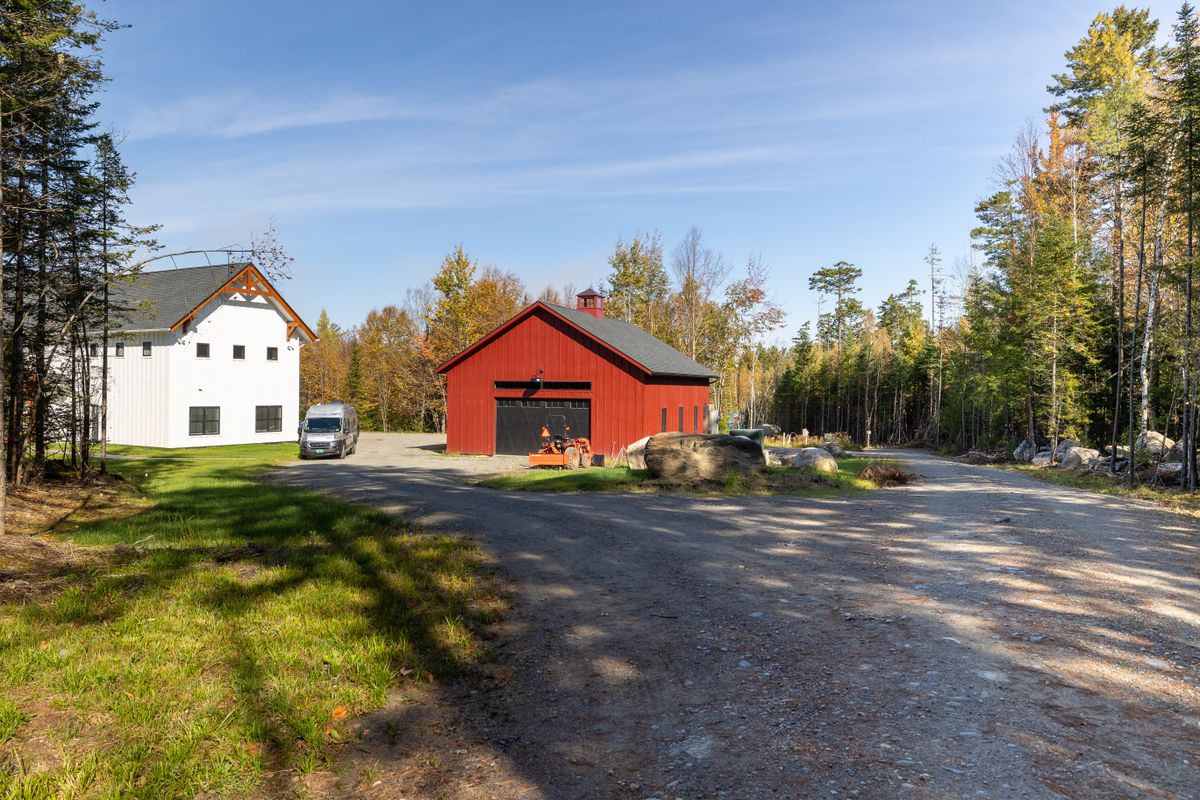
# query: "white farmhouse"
{"type": "Point", "coordinates": [203, 356]}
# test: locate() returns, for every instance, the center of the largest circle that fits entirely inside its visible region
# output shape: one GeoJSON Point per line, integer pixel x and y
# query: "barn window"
{"type": "Point", "coordinates": [202, 349]}
{"type": "Point", "coordinates": [204, 421]}
{"type": "Point", "coordinates": [272, 354]}
{"type": "Point", "coordinates": [268, 419]}
{"type": "Point", "coordinates": [145, 349]}
{"type": "Point", "coordinates": [119, 350]}
{"type": "Point", "coordinates": [695, 419]}
{"type": "Point", "coordinates": [681, 419]}
{"type": "Point", "coordinates": [239, 352]}
{"type": "Point", "coordinates": [664, 419]}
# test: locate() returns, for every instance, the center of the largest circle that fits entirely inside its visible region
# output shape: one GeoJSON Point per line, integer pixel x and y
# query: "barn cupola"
{"type": "Point", "coordinates": [591, 302]}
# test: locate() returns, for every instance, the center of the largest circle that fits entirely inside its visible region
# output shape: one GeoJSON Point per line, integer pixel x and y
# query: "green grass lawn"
{"type": "Point", "coordinates": [775, 480]}
{"type": "Point", "coordinates": [224, 635]}
{"type": "Point", "coordinates": [1168, 497]}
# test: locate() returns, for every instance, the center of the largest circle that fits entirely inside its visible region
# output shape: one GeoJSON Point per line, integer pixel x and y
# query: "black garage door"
{"type": "Point", "coordinates": [519, 422]}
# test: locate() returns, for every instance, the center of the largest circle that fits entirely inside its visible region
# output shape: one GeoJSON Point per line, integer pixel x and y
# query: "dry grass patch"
{"type": "Point", "coordinates": [64, 501]}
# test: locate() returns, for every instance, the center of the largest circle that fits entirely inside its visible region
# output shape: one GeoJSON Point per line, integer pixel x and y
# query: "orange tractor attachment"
{"type": "Point", "coordinates": [564, 452]}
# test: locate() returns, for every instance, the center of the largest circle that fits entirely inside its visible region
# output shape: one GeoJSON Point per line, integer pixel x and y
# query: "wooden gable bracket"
{"type": "Point", "coordinates": [250, 282]}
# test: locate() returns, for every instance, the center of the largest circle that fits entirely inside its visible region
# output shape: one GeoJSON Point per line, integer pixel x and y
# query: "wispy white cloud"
{"type": "Point", "coordinates": [246, 114]}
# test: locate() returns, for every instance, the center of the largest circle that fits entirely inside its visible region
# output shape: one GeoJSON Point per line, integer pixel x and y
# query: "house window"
{"type": "Point", "coordinates": [695, 419]}
{"type": "Point", "coordinates": [201, 349]}
{"type": "Point", "coordinates": [204, 421]}
{"type": "Point", "coordinates": [94, 350]}
{"type": "Point", "coordinates": [664, 419]}
{"type": "Point", "coordinates": [145, 349]}
{"type": "Point", "coordinates": [272, 354]}
{"type": "Point", "coordinates": [119, 350]}
{"type": "Point", "coordinates": [268, 419]}
{"type": "Point", "coordinates": [239, 352]}
{"type": "Point", "coordinates": [681, 419]}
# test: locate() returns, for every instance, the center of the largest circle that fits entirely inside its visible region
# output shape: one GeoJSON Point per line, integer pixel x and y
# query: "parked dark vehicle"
{"type": "Point", "coordinates": [329, 430]}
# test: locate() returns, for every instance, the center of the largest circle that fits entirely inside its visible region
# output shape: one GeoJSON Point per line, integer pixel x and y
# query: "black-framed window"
{"type": "Point", "coordinates": [268, 419]}
{"type": "Point", "coordinates": [94, 350]}
{"type": "Point", "coordinates": [239, 352]}
{"type": "Point", "coordinates": [695, 419]}
{"type": "Point", "coordinates": [204, 421]}
{"type": "Point", "coordinates": [664, 419]}
{"type": "Point", "coordinates": [681, 419]}
{"type": "Point", "coordinates": [145, 349]}
{"type": "Point", "coordinates": [202, 349]}
{"type": "Point", "coordinates": [272, 354]}
{"type": "Point", "coordinates": [119, 350]}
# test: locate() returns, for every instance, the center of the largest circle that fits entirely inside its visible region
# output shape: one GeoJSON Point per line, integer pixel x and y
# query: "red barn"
{"type": "Point", "coordinates": [551, 365]}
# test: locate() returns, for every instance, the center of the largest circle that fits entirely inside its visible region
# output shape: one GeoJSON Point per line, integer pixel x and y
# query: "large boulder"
{"type": "Point", "coordinates": [702, 456]}
{"type": "Point", "coordinates": [833, 448]}
{"type": "Point", "coordinates": [814, 458]}
{"type": "Point", "coordinates": [1078, 458]}
{"type": "Point", "coordinates": [1168, 471]}
{"type": "Point", "coordinates": [1042, 459]}
{"type": "Point", "coordinates": [636, 453]}
{"type": "Point", "coordinates": [1153, 443]}
{"type": "Point", "coordinates": [1064, 446]}
{"type": "Point", "coordinates": [1025, 451]}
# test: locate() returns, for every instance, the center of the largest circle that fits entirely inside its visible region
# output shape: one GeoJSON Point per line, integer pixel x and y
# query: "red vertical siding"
{"type": "Point", "coordinates": [626, 405]}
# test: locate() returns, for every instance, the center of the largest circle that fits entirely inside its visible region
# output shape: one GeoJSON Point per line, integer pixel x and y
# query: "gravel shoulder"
{"type": "Point", "coordinates": [977, 634]}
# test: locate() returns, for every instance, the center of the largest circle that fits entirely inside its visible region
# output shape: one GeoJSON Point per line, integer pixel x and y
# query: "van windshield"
{"type": "Point", "coordinates": [323, 424]}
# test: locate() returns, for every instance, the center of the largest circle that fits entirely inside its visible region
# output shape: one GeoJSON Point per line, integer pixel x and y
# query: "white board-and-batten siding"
{"type": "Point", "coordinates": [150, 399]}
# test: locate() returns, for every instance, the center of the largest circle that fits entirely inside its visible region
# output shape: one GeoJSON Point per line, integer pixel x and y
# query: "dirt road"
{"type": "Point", "coordinates": [978, 634]}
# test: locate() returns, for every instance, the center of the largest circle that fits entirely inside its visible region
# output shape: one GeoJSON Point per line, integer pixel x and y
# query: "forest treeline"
{"type": "Point", "coordinates": [693, 299]}
{"type": "Point", "coordinates": [63, 234]}
{"type": "Point", "coordinates": [1075, 317]}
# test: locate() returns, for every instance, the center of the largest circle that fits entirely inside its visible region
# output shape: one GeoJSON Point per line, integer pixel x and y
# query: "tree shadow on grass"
{"type": "Point", "coordinates": [291, 613]}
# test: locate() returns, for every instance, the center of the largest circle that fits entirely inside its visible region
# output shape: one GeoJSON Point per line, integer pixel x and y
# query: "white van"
{"type": "Point", "coordinates": [329, 429]}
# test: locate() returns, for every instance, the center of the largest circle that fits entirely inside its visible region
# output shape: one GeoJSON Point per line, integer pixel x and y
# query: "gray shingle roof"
{"type": "Point", "coordinates": [157, 300]}
{"type": "Point", "coordinates": [652, 353]}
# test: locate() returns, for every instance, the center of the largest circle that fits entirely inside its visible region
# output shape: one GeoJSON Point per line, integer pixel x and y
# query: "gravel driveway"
{"type": "Point", "coordinates": [977, 634]}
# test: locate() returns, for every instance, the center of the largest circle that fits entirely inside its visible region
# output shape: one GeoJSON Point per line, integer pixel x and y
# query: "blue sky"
{"type": "Point", "coordinates": [377, 135]}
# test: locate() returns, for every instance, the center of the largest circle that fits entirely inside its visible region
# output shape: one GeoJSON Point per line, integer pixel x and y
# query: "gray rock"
{"type": "Point", "coordinates": [636, 453]}
{"type": "Point", "coordinates": [702, 456]}
{"type": "Point", "coordinates": [1169, 471]}
{"type": "Point", "coordinates": [1078, 458]}
{"type": "Point", "coordinates": [1041, 459]}
{"type": "Point", "coordinates": [1025, 451]}
{"type": "Point", "coordinates": [811, 458]}
{"type": "Point", "coordinates": [1153, 443]}
{"type": "Point", "coordinates": [833, 448]}
{"type": "Point", "coordinates": [1064, 446]}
